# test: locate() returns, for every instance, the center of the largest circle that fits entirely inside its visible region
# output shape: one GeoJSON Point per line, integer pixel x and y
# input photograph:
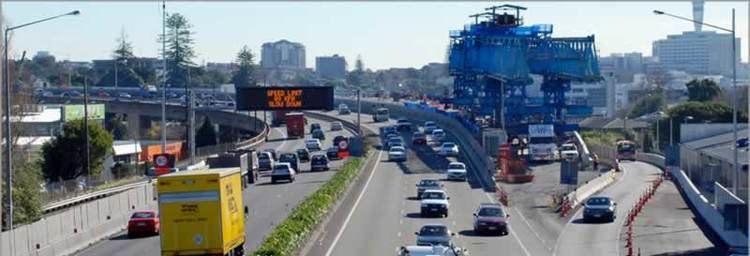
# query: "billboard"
{"type": "Point", "coordinates": [75, 111]}
{"type": "Point", "coordinates": [285, 98]}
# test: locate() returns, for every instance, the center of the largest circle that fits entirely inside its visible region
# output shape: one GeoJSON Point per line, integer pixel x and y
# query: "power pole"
{"type": "Point", "coordinates": [191, 126]}
{"type": "Point", "coordinates": [2, 217]}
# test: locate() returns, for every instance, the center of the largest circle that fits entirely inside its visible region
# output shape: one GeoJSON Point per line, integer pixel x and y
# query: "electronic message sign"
{"type": "Point", "coordinates": [285, 98]}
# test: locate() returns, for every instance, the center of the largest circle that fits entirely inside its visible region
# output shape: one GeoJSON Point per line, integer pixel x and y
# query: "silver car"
{"type": "Point", "coordinates": [434, 234]}
{"type": "Point", "coordinates": [336, 126]}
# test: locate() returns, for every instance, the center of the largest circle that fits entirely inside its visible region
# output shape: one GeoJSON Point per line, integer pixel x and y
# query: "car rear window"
{"type": "Point", "coordinates": [433, 231]}
{"type": "Point", "coordinates": [142, 215]}
{"type": "Point", "coordinates": [448, 145]}
{"type": "Point", "coordinates": [455, 166]}
{"type": "Point", "coordinates": [598, 201]}
{"type": "Point", "coordinates": [263, 156]}
{"type": "Point", "coordinates": [433, 195]}
{"type": "Point", "coordinates": [428, 182]}
{"type": "Point", "coordinates": [491, 212]}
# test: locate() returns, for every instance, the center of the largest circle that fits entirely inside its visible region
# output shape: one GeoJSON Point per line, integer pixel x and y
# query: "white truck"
{"type": "Point", "coordinates": [542, 142]}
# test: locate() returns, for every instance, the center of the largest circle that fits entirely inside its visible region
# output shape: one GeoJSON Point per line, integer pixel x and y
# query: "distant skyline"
{"type": "Point", "coordinates": [385, 34]}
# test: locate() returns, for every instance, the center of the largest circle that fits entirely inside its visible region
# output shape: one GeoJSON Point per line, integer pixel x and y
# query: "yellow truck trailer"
{"type": "Point", "coordinates": [202, 212]}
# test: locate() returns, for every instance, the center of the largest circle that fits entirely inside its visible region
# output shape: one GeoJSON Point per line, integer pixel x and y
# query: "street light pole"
{"type": "Point", "coordinates": [164, 83]}
{"type": "Point", "coordinates": [735, 169]}
{"type": "Point", "coordinates": [6, 98]}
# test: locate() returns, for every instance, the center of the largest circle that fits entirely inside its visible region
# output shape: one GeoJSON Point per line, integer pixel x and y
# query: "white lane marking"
{"type": "Point", "coordinates": [354, 208]}
{"type": "Point", "coordinates": [531, 228]}
{"type": "Point", "coordinates": [512, 232]}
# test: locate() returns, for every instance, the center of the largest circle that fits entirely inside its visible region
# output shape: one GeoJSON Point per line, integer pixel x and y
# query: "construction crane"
{"type": "Point", "coordinates": [492, 61]}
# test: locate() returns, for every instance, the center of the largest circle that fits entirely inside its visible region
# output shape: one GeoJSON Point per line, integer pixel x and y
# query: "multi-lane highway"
{"type": "Point", "coordinates": [386, 214]}
{"type": "Point", "coordinates": [269, 204]}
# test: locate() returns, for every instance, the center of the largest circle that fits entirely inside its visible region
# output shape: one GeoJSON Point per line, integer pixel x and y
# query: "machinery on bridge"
{"type": "Point", "coordinates": [492, 61]}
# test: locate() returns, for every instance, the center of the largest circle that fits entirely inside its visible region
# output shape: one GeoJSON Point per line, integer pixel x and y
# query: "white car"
{"type": "Point", "coordinates": [433, 250]}
{"type": "Point", "coordinates": [397, 153]}
{"type": "Point", "coordinates": [448, 149]}
{"type": "Point", "coordinates": [336, 126]}
{"type": "Point", "coordinates": [434, 234]}
{"type": "Point", "coordinates": [312, 144]}
{"type": "Point", "coordinates": [569, 151]}
{"type": "Point", "coordinates": [438, 135]}
{"type": "Point", "coordinates": [456, 171]}
{"type": "Point", "coordinates": [434, 202]}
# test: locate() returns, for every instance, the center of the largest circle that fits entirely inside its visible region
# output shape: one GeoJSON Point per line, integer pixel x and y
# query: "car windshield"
{"type": "Point", "coordinates": [287, 157]}
{"type": "Point", "coordinates": [598, 201]}
{"type": "Point", "coordinates": [456, 166]}
{"type": "Point", "coordinates": [428, 183]}
{"type": "Point", "coordinates": [449, 145]}
{"type": "Point", "coordinates": [490, 212]}
{"type": "Point", "coordinates": [433, 231]}
{"type": "Point", "coordinates": [301, 151]}
{"type": "Point", "coordinates": [568, 147]}
{"type": "Point", "coordinates": [142, 215]}
{"type": "Point", "coordinates": [438, 133]}
{"type": "Point", "coordinates": [433, 195]}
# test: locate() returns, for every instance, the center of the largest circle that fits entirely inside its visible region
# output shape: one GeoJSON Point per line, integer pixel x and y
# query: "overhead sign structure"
{"type": "Point", "coordinates": [285, 98]}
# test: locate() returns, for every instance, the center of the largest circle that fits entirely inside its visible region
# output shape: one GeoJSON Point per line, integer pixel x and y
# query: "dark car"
{"type": "Point", "coordinates": [318, 134]}
{"type": "Point", "coordinates": [333, 152]}
{"type": "Point", "coordinates": [315, 126]}
{"type": "Point", "coordinates": [290, 158]}
{"type": "Point", "coordinates": [599, 208]}
{"type": "Point", "coordinates": [273, 153]}
{"type": "Point", "coordinates": [419, 138]}
{"type": "Point", "coordinates": [303, 155]}
{"type": "Point", "coordinates": [403, 125]}
{"type": "Point", "coordinates": [390, 129]}
{"type": "Point", "coordinates": [490, 217]}
{"type": "Point", "coordinates": [319, 162]}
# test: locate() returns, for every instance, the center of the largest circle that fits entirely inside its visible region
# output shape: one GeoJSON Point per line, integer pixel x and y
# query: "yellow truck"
{"type": "Point", "coordinates": [202, 212]}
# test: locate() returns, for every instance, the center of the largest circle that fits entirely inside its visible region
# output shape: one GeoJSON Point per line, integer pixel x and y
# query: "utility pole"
{"type": "Point", "coordinates": [2, 76]}
{"type": "Point", "coordinates": [191, 126]}
{"type": "Point", "coordinates": [86, 129]}
{"type": "Point", "coordinates": [164, 84]}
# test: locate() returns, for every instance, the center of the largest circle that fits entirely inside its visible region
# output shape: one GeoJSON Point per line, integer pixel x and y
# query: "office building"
{"type": "Point", "coordinates": [697, 52]}
{"type": "Point", "coordinates": [331, 67]}
{"type": "Point", "coordinates": [283, 54]}
{"type": "Point", "coordinates": [622, 65]}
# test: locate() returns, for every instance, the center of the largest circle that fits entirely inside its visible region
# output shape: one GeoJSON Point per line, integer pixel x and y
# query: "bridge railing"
{"type": "Point", "coordinates": [477, 162]}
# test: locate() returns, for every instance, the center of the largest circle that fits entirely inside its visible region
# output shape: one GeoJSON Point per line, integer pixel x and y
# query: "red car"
{"type": "Point", "coordinates": [419, 138]}
{"type": "Point", "coordinates": [143, 223]}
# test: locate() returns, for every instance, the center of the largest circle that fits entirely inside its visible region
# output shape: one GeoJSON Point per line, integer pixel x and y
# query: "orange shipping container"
{"type": "Point", "coordinates": [174, 148]}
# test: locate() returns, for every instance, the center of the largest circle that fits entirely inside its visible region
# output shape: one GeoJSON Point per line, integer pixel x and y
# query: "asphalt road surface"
{"type": "Point", "coordinates": [580, 238]}
{"type": "Point", "coordinates": [269, 204]}
{"type": "Point", "coordinates": [386, 214]}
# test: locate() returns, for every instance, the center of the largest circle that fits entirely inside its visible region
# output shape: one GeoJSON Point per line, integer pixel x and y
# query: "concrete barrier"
{"type": "Point", "coordinates": [582, 193]}
{"type": "Point", "coordinates": [477, 159]}
{"type": "Point", "coordinates": [74, 228]}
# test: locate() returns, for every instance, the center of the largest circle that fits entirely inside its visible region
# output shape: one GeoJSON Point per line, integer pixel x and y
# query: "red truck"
{"type": "Point", "coordinates": [295, 125]}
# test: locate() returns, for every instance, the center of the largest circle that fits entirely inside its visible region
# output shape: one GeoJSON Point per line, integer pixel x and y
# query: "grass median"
{"type": "Point", "coordinates": [288, 236]}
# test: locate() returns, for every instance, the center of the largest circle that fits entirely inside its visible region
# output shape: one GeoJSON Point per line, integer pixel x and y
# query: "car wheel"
{"type": "Point", "coordinates": [445, 214]}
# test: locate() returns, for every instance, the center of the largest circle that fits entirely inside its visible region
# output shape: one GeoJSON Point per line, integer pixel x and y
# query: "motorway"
{"type": "Point", "coordinates": [579, 238]}
{"type": "Point", "coordinates": [269, 204]}
{"type": "Point", "coordinates": [386, 214]}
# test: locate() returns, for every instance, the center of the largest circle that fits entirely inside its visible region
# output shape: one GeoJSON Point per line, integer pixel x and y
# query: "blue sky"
{"type": "Point", "coordinates": [385, 34]}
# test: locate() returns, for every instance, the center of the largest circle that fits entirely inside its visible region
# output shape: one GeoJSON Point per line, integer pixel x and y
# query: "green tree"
{"type": "Point", "coordinates": [246, 73]}
{"type": "Point", "coordinates": [357, 76]}
{"type": "Point", "coordinates": [702, 90]}
{"type": "Point", "coordinates": [701, 112]}
{"type": "Point", "coordinates": [179, 52]}
{"type": "Point", "coordinates": [27, 182]}
{"type": "Point", "coordinates": [206, 135]}
{"type": "Point", "coordinates": [645, 105]}
{"type": "Point", "coordinates": [64, 156]}
{"type": "Point", "coordinates": [122, 56]}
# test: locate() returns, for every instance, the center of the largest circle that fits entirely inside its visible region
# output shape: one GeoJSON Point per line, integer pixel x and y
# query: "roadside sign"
{"type": "Point", "coordinates": [163, 163]}
{"type": "Point", "coordinates": [569, 172]}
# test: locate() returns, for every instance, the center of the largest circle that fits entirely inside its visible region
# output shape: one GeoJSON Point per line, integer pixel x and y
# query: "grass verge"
{"type": "Point", "coordinates": [293, 232]}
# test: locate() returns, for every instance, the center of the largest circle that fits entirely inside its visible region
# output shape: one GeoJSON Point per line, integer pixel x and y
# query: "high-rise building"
{"type": "Point", "coordinates": [697, 52]}
{"type": "Point", "coordinates": [622, 65]}
{"type": "Point", "coordinates": [283, 54]}
{"type": "Point", "coordinates": [331, 67]}
{"type": "Point", "coordinates": [698, 14]}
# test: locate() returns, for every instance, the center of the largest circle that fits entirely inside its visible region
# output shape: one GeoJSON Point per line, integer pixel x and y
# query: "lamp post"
{"type": "Point", "coordinates": [735, 168]}
{"type": "Point", "coordinates": [6, 98]}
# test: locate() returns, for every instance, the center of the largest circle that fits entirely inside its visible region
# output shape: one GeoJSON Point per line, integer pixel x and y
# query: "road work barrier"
{"type": "Point", "coordinates": [580, 194]}
{"type": "Point", "coordinates": [477, 159]}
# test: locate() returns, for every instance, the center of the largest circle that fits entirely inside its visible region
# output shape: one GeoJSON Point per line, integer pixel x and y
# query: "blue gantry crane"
{"type": "Point", "coordinates": [493, 58]}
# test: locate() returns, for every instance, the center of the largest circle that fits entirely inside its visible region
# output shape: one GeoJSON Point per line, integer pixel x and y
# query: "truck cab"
{"type": "Point", "coordinates": [542, 143]}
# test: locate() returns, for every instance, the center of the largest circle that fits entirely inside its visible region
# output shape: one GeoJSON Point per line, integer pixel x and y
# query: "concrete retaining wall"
{"type": "Point", "coordinates": [478, 161]}
{"type": "Point", "coordinates": [700, 205]}
{"type": "Point", "coordinates": [77, 227]}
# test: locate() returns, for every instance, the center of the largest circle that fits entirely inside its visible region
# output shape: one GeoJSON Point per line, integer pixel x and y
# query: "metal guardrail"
{"type": "Point", "coordinates": [54, 206]}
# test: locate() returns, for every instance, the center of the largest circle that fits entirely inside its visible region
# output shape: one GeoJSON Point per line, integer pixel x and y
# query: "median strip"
{"type": "Point", "coordinates": [293, 232]}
